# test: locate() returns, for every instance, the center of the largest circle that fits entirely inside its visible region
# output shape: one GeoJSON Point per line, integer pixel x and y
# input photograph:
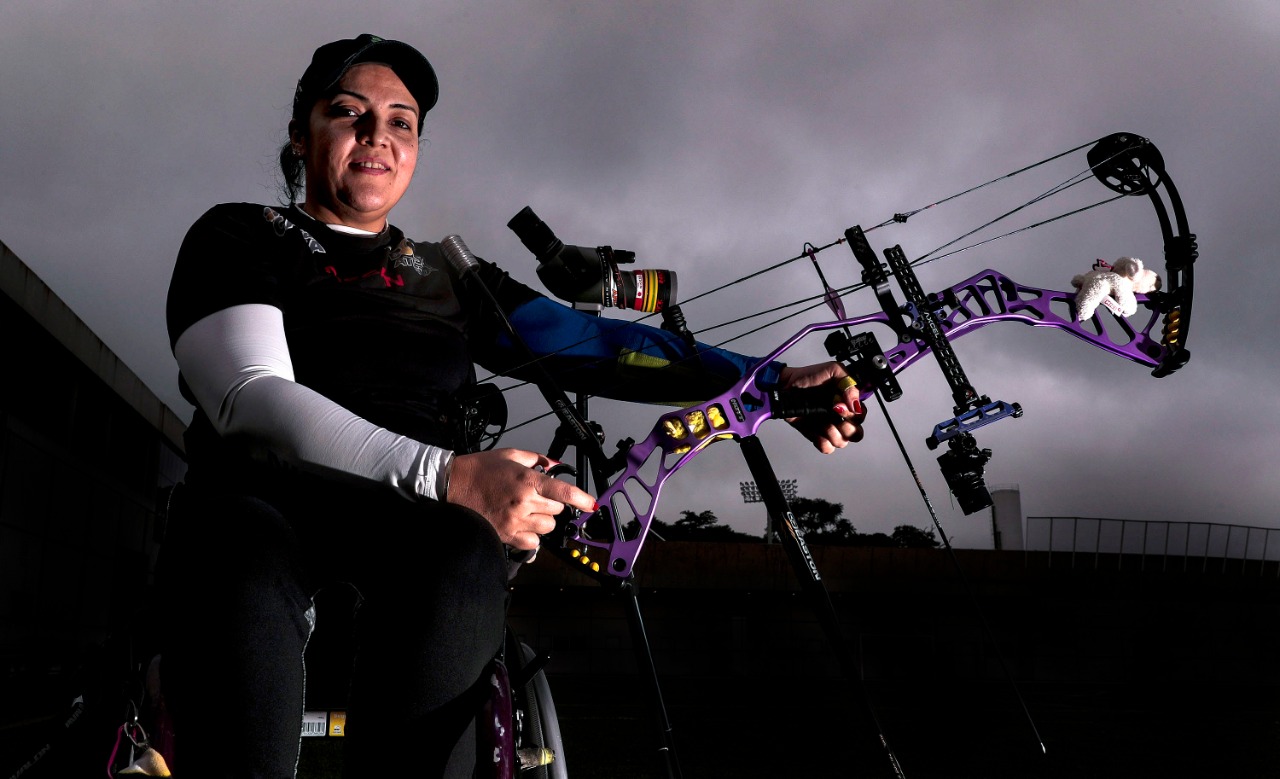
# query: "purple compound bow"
{"type": "Point", "coordinates": [611, 538]}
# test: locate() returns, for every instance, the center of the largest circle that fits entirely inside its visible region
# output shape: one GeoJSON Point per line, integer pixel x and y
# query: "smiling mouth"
{"type": "Point", "coordinates": [371, 166]}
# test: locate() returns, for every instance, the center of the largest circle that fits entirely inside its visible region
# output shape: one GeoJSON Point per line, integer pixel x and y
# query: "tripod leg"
{"type": "Point", "coordinates": [649, 671]}
{"type": "Point", "coordinates": [806, 569]}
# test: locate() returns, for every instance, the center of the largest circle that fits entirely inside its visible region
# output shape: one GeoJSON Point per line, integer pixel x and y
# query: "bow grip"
{"type": "Point", "coordinates": [804, 402]}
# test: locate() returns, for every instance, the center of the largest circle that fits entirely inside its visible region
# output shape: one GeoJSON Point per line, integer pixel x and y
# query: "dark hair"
{"type": "Point", "coordinates": [291, 168]}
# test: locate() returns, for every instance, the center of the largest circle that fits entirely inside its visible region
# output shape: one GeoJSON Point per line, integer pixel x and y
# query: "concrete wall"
{"type": "Point", "coordinates": [86, 453]}
{"type": "Point", "coordinates": [34, 297]}
{"type": "Point", "coordinates": [737, 610]}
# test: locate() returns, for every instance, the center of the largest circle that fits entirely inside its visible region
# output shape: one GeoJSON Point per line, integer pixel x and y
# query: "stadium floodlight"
{"type": "Point", "coordinates": [751, 494]}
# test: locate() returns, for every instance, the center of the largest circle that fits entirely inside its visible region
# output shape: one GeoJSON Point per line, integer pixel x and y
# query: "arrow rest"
{"type": "Point", "coordinates": [863, 360]}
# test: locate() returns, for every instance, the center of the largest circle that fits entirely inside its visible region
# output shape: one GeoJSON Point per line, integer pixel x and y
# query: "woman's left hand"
{"type": "Point", "coordinates": [828, 435]}
{"type": "Point", "coordinates": [511, 489]}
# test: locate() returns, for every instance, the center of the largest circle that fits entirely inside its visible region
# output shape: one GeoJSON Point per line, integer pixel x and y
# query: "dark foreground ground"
{"type": "Point", "coordinates": [1128, 670]}
{"type": "Point", "coordinates": [735, 730]}
{"type": "Point", "coordinates": [726, 732]}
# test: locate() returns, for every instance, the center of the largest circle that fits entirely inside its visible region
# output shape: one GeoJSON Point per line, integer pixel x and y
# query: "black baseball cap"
{"type": "Point", "coordinates": [332, 60]}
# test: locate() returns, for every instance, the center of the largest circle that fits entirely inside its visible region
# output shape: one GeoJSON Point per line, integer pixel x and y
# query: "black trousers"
{"type": "Point", "coordinates": [239, 566]}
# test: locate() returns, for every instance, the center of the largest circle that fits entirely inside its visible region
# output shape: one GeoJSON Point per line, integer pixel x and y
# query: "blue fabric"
{"type": "Point", "coordinates": [628, 360]}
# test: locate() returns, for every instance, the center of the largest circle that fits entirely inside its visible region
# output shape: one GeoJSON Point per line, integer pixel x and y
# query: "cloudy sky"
{"type": "Point", "coordinates": [717, 138]}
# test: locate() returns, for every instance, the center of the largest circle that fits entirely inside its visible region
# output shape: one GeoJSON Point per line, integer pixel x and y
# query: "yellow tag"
{"type": "Point", "coordinates": [337, 723]}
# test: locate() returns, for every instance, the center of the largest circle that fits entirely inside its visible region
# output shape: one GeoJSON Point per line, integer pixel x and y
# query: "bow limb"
{"type": "Point", "coordinates": [1132, 165]}
{"type": "Point", "coordinates": [610, 539]}
{"type": "Point", "coordinates": [991, 296]}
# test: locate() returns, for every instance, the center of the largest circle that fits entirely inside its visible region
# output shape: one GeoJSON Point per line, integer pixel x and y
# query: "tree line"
{"type": "Point", "coordinates": [821, 522]}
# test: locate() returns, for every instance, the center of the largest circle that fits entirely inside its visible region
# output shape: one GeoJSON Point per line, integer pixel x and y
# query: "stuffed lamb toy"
{"type": "Point", "coordinates": [1113, 286]}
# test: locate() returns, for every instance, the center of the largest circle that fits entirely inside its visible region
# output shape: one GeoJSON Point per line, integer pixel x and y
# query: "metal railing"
{"type": "Point", "coordinates": [1172, 546]}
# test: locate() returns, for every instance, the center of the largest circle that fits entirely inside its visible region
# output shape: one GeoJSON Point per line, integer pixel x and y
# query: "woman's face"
{"type": "Point", "coordinates": [360, 148]}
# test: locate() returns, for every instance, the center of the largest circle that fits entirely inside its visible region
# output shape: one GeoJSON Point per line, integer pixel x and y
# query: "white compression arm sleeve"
{"type": "Point", "coordinates": [236, 362]}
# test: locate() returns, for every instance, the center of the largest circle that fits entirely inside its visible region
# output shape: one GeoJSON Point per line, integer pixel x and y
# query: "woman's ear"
{"type": "Point", "coordinates": [297, 139]}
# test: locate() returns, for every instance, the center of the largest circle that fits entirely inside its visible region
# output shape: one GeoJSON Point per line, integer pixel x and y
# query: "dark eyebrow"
{"type": "Point", "coordinates": [359, 96]}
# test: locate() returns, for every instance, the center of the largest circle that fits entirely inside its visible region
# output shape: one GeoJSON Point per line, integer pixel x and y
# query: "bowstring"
{"type": "Point", "coordinates": [903, 217]}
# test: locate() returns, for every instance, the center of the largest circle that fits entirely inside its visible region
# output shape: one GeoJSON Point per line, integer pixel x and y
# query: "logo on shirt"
{"type": "Point", "coordinates": [405, 256]}
{"type": "Point", "coordinates": [283, 226]}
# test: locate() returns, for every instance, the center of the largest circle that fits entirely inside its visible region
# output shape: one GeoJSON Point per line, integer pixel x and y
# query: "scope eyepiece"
{"type": "Point", "coordinates": [535, 235]}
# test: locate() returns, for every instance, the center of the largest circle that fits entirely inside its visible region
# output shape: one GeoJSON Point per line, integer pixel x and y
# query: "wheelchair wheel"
{"type": "Point", "coordinates": [541, 724]}
{"type": "Point", "coordinates": [534, 724]}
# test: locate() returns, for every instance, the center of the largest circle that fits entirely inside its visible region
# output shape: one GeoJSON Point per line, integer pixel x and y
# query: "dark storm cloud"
{"type": "Point", "coordinates": [716, 139]}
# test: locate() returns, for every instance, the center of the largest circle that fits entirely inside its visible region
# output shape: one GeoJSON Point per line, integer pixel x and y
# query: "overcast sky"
{"type": "Point", "coordinates": [717, 138]}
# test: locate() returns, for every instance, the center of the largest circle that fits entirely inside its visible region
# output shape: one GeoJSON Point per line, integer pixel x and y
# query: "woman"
{"type": "Point", "coordinates": [324, 353]}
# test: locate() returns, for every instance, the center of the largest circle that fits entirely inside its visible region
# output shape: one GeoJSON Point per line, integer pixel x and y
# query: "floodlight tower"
{"type": "Point", "coordinates": [751, 494]}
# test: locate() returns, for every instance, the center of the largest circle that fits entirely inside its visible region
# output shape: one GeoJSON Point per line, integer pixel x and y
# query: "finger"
{"type": "Point", "coordinates": [849, 432]}
{"type": "Point", "coordinates": [526, 530]}
{"type": "Point", "coordinates": [525, 540]}
{"type": "Point", "coordinates": [526, 458]}
{"type": "Point", "coordinates": [544, 524]}
{"type": "Point", "coordinates": [544, 464]}
{"type": "Point", "coordinates": [852, 405]}
{"type": "Point", "coordinates": [536, 523]}
{"type": "Point", "coordinates": [535, 504]}
{"type": "Point", "coordinates": [836, 437]}
{"type": "Point", "coordinates": [565, 493]}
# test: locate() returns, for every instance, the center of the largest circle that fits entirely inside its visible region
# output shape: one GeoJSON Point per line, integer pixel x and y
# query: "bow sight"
{"type": "Point", "coordinates": [918, 321]}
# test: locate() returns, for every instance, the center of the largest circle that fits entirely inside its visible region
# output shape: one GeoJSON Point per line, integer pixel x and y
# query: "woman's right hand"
{"type": "Point", "coordinates": [520, 502]}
